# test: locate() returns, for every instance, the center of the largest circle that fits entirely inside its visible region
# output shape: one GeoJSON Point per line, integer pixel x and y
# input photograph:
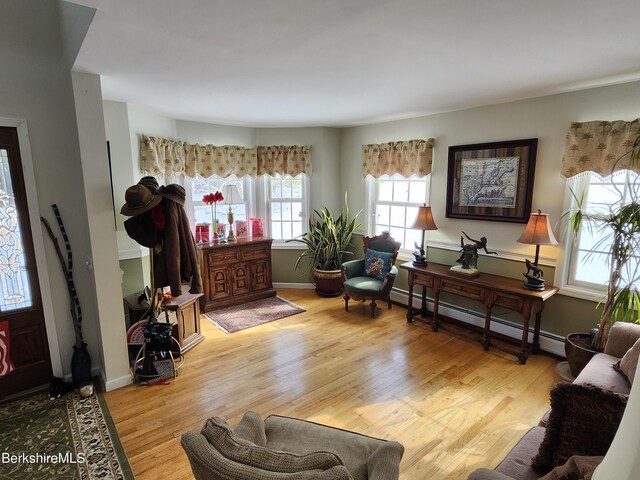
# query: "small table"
{"type": "Point", "coordinates": [187, 310]}
{"type": "Point", "coordinates": [489, 289]}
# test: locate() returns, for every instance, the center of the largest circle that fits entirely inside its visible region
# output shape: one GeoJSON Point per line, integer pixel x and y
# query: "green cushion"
{"type": "Point", "coordinates": [363, 285]}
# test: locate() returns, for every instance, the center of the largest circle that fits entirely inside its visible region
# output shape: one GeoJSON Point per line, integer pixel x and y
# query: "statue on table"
{"type": "Point", "coordinates": [469, 254]}
{"type": "Point", "coordinates": [419, 255]}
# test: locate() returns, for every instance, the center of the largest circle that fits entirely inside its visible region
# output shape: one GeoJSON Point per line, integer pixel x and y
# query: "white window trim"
{"type": "Point", "coordinates": [563, 276]}
{"type": "Point", "coordinates": [371, 186]}
{"type": "Point", "coordinates": [264, 209]}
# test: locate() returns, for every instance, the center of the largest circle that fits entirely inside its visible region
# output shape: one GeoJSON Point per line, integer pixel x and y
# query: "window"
{"type": "Point", "coordinates": [200, 186]}
{"type": "Point", "coordinates": [280, 201]}
{"type": "Point", "coordinates": [286, 205]}
{"type": "Point", "coordinates": [393, 205]}
{"type": "Point", "coordinates": [587, 266]}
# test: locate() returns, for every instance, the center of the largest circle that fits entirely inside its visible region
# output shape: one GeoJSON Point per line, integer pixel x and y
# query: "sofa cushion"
{"type": "Point", "coordinates": [377, 264]}
{"type": "Point", "coordinates": [356, 451]}
{"type": "Point", "coordinates": [220, 436]}
{"type": "Point", "coordinates": [583, 421]}
{"type": "Point", "coordinates": [517, 463]}
{"type": "Point", "coordinates": [627, 364]}
{"type": "Point", "coordinates": [600, 372]}
{"type": "Point", "coordinates": [207, 463]}
{"type": "Point", "coordinates": [621, 338]}
{"type": "Point", "coordinates": [363, 285]}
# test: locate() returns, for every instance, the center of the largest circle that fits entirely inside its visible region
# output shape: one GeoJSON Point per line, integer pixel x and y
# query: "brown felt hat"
{"type": "Point", "coordinates": [151, 183]}
{"type": "Point", "coordinates": [174, 192]}
{"type": "Point", "coordinates": [138, 200]}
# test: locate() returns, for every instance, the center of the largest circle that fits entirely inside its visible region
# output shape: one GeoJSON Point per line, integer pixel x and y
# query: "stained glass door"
{"type": "Point", "coordinates": [20, 302]}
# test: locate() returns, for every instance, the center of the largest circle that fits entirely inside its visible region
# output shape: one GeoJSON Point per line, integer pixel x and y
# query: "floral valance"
{"type": "Point", "coordinates": [161, 156]}
{"type": "Point", "coordinates": [284, 160]}
{"type": "Point", "coordinates": [600, 147]}
{"type": "Point", "coordinates": [411, 157]}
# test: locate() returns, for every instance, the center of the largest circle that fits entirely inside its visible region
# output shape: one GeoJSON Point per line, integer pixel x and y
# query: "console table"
{"type": "Point", "coordinates": [235, 273]}
{"type": "Point", "coordinates": [486, 288]}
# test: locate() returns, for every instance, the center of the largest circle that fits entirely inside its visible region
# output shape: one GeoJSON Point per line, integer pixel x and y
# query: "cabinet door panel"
{"type": "Point", "coordinates": [219, 283]}
{"type": "Point", "coordinates": [261, 275]}
{"type": "Point", "coordinates": [241, 278]}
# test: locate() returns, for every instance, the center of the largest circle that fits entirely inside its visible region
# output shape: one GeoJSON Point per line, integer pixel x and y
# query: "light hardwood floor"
{"type": "Point", "coordinates": [452, 405]}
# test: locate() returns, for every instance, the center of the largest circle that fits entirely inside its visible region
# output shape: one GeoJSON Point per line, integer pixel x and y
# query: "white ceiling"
{"type": "Point", "coordinates": [348, 62]}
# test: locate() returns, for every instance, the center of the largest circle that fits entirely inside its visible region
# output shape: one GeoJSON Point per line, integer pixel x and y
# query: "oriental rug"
{"type": "Point", "coordinates": [67, 438]}
{"type": "Point", "coordinates": [240, 317]}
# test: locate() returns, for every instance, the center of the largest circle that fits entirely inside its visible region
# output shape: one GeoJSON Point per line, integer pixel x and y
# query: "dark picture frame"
{"type": "Point", "coordinates": [492, 181]}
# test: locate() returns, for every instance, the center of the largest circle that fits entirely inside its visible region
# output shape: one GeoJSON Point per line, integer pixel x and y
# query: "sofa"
{"type": "Point", "coordinates": [584, 416]}
{"type": "Point", "coordinates": [279, 448]}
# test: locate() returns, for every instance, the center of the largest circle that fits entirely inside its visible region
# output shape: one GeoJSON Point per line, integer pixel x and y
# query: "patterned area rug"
{"type": "Point", "coordinates": [240, 317]}
{"type": "Point", "coordinates": [67, 438]}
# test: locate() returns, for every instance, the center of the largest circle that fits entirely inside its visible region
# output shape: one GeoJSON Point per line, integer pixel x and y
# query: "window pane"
{"type": "Point", "coordinates": [418, 191]}
{"type": "Point", "coordinates": [296, 211]}
{"type": "Point", "coordinates": [15, 292]}
{"type": "Point", "coordinates": [276, 188]}
{"type": "Point", "coordinates": [412, 213]}
{"type": "Point", "coordinates": [401, 191]}
{"type": "Point", "coordinates": [397, 234]}
{"type": "Point", "coordinates": [382, 214]}
{"type": "Point", "coordinates": [275, 212]}
{"type": "Point", "coordinates": [297, 188]}
{"type": "Point", "coordinates": [286, 230]}
{"type": "Point", "coordinates": [296, 229]}
{"type": "Point", "coordinates": [286, 211]}
{"type": "Point", "coordinates": [385, 190]}
{"type": "Point", "coordinates": [398, 216]}
{"type": "Point", "coordinates": [413, 237]}
{"type": "Point", "coordinates": [592, 268]}
{"type": "Point", "coordinates": [276, 230]}
{"type": "Point", "coordinates": [595, 237]}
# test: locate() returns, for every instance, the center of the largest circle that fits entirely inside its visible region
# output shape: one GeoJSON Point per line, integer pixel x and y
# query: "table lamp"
{"type": "Point", "coordinates": [231, 196]}
{"type": "Point", "coordinates": [424, 221]}
{"type": "Point", "coordinates": [537, 232]}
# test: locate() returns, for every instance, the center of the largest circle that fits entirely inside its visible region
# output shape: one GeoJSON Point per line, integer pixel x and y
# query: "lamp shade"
{"type": "Point", "coordinates": [538, 230]}
{"type": "Point", "coordinates": [424, 219]}
{"type": "Point", "coordinates": [231, 194]}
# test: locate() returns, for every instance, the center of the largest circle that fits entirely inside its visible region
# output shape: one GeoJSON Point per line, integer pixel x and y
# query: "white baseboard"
{"type": "Point", "coordinates": [118, 382]}
{"type": "Point", "coordinates": [549, 342]}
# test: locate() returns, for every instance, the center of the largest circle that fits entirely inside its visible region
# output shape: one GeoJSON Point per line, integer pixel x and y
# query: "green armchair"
{"type": "Point", "coordinates": [371, 278]}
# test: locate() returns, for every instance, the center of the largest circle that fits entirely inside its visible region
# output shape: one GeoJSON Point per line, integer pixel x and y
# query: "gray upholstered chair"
{"type": "Point", "coordinates": [283, 448]}
{"type": "Point", "coordinates": [372, 277]}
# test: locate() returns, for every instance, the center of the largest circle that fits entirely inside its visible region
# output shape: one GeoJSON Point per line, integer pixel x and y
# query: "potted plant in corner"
{"type": "Point", "coordinates": [619, 228]}
{"type": "Point", "coordinates": [327, 241]}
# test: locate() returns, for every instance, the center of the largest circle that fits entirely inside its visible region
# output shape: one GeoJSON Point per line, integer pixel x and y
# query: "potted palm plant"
{"type": "Point", "coordinates": [327, 240]}
{"type": "Point", "coordinates": [620, 234]}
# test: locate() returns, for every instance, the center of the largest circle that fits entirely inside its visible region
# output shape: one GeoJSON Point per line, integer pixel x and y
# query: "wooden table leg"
{"type": "Point", "coordinates": [410, 305]}
{"type": "Point", "coordinates": [423, 303]}
{"type": "Point", "coordinates": [436, 303]}
{"type": "Point", "coordinates": [524, 353]}
{"type": "Point", "coordinates": [535, 346]}
{"type": "Point", "coordinates": [486, 340]}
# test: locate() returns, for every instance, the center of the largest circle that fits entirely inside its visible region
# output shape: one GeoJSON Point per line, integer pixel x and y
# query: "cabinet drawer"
{"type": "Point", "coordinates": [468, 291]}
{"type": "Point", "coordinates": [252, 253]}
{"type": "Point", "coordinates": [422, 279]}
{"type": "Point", "coordinates": [223, 256]}
{"type": "Point", "coordinates": [507, 300]}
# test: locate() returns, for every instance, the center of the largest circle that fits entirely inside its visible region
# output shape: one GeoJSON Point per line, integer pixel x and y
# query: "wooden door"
{"type": "Point", "coordinates": [20, 301]}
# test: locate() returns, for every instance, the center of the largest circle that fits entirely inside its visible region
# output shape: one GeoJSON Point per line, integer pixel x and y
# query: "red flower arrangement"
{"type": "Point", "coordinates": [213, 199]}
{"type": "Point", "coordinates": [210, 198]}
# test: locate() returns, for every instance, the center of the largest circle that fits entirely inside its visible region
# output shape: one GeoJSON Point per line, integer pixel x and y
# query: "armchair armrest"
{"type": "Point", "coordinates": [352, 268]}
{"type": "Point", "coordinates": [387, 285]}
{"type": "Point", "coordinates": [621, 338]}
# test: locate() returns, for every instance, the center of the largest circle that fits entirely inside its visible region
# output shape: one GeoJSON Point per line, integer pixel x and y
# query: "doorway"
{"type": "Point", "coordinates": [20, 297]}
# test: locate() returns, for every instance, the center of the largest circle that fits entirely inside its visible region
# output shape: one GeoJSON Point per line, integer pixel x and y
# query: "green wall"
{"type": "Point", "coordinates": [562, 314]}
{"type": "Point", "coordinates": [136, 275]}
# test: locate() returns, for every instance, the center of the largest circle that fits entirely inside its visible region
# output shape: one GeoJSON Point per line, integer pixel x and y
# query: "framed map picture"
{"type": "Point", "coordinates": [492, 181]}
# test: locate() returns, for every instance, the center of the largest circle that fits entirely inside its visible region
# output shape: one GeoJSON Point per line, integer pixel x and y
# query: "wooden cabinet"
{"type": "Point", "coordinates": [235, 273]}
